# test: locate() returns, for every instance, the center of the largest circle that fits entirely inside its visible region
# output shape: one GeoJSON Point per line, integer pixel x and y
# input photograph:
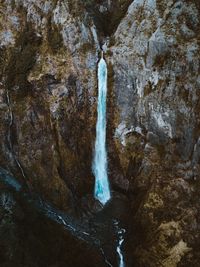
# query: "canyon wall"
{"type": "Point", "coordinates": [48, 96]}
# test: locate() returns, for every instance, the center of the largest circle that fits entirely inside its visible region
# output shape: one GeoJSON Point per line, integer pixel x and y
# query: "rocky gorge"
{"type": "Point", "coordinates": [49, 51]}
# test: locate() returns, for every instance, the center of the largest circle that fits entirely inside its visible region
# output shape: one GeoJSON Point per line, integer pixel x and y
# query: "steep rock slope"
{"type": "Point", "coordinates": [48, 52]}
{"type": "Point", "coordinates": [48, 85]}
{"type": "Point", "coordinates": [155, 57]}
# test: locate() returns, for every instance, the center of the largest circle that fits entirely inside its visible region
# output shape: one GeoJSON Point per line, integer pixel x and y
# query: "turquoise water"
{"type": "Point", "coordinates": [102, 190]}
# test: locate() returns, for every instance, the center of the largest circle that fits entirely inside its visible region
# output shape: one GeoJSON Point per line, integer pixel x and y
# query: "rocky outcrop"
{"type": "Point", "coordinates": [48, 87]}
{"type": "Point", "coordinates": [48, 52]}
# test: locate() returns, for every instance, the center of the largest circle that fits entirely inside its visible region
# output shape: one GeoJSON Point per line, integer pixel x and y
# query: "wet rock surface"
{"type": "Point", "coordinates": [48, 96]}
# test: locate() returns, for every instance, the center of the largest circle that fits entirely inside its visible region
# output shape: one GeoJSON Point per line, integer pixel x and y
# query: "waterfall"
{"type": "Point", "coordinates": [102, 191]}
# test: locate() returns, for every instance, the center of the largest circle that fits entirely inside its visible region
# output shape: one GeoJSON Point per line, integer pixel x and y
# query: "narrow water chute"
{"type": "Point", "coordinates": [120, 233]}
{"type": "Point", "coordinates": [119, 251]}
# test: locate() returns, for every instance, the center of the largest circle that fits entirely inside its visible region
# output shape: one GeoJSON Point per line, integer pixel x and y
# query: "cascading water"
{"type": "Point", "coordinates": [120, 232]}
{"type": "Point", "coordinates": [121, 240]}
{"type": "Point", "coordinates": [102, 190]}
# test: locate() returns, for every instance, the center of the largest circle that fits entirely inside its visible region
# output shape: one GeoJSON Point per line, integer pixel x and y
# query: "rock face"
{"type": "Point", "coordinates": [28, 238]}
{"type": "Point", "coordinates": [155, 58]}
{"type": "Point", "coordinates": [49, 76]}
{"type": "Point", "coordinates": [48, 96]}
